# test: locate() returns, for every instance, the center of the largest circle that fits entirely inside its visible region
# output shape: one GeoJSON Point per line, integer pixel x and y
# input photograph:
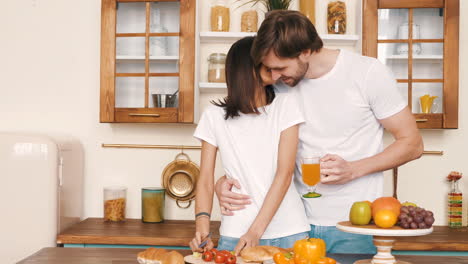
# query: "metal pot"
{"type": "Point", "coordinates": [180, 178]}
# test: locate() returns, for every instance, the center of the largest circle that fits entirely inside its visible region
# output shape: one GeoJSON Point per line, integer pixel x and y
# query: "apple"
{"type": "Point", "coordinates": [360, 213]}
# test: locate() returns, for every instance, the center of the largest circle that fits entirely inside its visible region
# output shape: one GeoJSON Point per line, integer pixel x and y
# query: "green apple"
{"type": "Point", "coordinates": [360, 213]}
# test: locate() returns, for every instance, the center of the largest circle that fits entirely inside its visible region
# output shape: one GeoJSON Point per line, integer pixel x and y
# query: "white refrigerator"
{"type": "Point", "coordinates": [41, 191]}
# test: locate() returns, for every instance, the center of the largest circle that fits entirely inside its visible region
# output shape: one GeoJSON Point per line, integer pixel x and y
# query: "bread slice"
{"type": "Point", "coordinates": [260, 253]}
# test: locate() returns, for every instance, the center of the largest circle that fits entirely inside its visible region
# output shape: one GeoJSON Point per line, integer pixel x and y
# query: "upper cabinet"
{"type": "Point", "coordinates": [418, 41]}
{"type": "Point", "coordinates": [147, 61]}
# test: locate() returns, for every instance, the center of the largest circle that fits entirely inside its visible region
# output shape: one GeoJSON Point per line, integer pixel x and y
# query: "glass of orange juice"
{"type": "Point", "coordinates": [311, 175]}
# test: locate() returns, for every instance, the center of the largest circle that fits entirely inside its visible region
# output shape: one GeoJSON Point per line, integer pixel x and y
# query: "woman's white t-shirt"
{"type": "Point", "coordinates": [248, 145]}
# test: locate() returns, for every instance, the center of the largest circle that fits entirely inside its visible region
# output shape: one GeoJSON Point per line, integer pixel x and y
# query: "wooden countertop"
{"type": "Point", "coordinates": [442, 238]}
{"type": "Point", "coordinates": [133, 232]}
{"type": "Point", "coordinates": [180, 232]}
{"type": "Point", "coordinates": [128, 256]}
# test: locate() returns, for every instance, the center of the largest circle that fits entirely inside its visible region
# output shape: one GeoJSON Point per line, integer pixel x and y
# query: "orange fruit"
{"type": "Point", "coordinates": [387, 203]}
{"type": "Point", "coordinates": [385, 218]}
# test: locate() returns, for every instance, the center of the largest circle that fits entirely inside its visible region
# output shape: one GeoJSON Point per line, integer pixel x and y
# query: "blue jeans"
{"type": "Point", "coordinates": [229, 243]}
{"type": "Point", "coordinates": [342, 242]}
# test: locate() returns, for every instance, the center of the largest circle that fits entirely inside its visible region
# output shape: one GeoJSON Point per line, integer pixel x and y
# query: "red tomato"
{"type": "Point", "coordinates": [231, 260]}
{"type": "Point", "coordinates": [220, 258]}
{"type": "Point", "coordinates": [207, 256]}
{"type": "Point", "coordinates": [214, 251]}
{"type": "Point", "coordinates": [225, 253]}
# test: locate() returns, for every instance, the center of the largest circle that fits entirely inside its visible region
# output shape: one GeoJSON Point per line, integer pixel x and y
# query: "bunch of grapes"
{"type": "Point", "coordinates": [415, 217]}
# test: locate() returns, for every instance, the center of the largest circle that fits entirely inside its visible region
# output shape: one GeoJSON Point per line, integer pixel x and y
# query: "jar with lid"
{"type": "Point", "coordinates": [220, 17]}
{"type": "Point", "coordinates": [152, 204]}
{"type": "Point", "coordinates": [216, 68]}
{"type": "Point", "coordinates": [307, 7]}
{"type": "Point", "coordinates": [249, 21]}
{"type": "Point", "coordinates": [114, 203]}
{"type": "Point", "coordinates": [336, 17]}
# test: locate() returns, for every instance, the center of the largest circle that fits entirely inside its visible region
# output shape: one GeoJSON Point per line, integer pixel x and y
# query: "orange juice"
{"type": "Point", "coordinates": [311, 174]}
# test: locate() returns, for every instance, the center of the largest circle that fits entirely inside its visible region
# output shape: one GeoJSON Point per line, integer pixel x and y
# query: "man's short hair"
{"type": "Point", "coordinates": [287, 33]}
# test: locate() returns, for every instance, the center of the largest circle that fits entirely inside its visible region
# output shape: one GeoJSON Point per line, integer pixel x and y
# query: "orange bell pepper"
{"type": "Point", "coordinates": [309, 251]}
{"type": "Point", "coordinates": [326, 260]}
{"type": "Point", "coordinates": [282, 258]}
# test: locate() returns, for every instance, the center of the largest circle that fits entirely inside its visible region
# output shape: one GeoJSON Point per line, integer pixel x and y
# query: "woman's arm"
{"type": "Point", "coordinates": [279, 187]}
{"type": "Point", "coordinates": [204, 196]}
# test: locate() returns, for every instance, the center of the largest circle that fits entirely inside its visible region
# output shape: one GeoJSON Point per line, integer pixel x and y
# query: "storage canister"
{"type": "Point", "coordinates": [216, 68]}
{"type": "Point", "coordinates": [115, 199]}
{"type": "Point", "coordinates": [152, 204]}
{"type": "Point", "coordinates": [220, 17]}
{"type": "Point", "coordinates": [336, 17]}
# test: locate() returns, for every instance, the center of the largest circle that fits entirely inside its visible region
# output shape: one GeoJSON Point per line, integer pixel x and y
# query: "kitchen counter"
{"type": "Point", "coordinates": [442, 238]}
{"type": "Point", "coordinates": [128, 256]}
{"type": "Point", "coordinates": [170, 233]}
{"type": "Point", "coordinates": [178, 233]}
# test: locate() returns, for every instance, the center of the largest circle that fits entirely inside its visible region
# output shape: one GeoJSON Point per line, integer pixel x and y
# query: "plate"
{"type": "Point", "coordinates": [197, 260]}
{"type": "Point", "coordinates": [373, 230]}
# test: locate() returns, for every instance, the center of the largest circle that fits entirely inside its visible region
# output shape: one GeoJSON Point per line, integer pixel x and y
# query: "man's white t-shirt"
{"type": "Point", "coordinates": [342, 109]}
{"type": "Point", "coordinates": [248, 146]}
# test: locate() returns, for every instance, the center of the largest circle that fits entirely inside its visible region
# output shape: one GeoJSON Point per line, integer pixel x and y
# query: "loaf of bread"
{"type": "Point", "coordinates": [260, 253]}
{"type": "Point", "coordinates": [159, 256]}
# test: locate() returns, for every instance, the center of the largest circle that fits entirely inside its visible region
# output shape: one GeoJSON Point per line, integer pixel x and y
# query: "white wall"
{"type": "Point", "coordinates": [50, 83]}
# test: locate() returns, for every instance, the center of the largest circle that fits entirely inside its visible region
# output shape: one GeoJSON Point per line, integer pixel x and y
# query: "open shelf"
{"type": "Point", "coordinates": [226, 37]}
{"type": "Point", "coordinates": [132, 58]}
{"type": "Point", "coordinates": [207, 87]}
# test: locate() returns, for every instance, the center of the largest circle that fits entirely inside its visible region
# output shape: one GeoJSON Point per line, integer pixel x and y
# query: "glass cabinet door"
{"type": "Point", "coordinates": [410, 42]}
{"type": "Point", "coordinates": [419, 42]}
{"type": "Point", "coordinates": [150, 82]}
{"type": "Point", "coordinates": [147, 55]}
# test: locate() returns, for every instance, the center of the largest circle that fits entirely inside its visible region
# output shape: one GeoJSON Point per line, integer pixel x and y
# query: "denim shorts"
{"type": "Point", "coordinates": [341, 242]}
{"type": "Point", "coordinates": [229, 243]}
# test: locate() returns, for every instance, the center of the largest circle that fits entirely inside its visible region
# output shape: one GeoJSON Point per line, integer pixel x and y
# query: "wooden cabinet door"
{"type": "Point", "coordinates": [418, 41]}
{"type": "Point", "coordinates": [147, 61]}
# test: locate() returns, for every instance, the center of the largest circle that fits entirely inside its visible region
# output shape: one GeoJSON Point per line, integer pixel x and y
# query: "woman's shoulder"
{"type": "Point", "coordinates": [213, 111]}
{"type": "Point", "coordinates": [285, 97]}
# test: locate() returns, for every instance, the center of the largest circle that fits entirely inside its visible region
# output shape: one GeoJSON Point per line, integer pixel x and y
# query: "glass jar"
{"type": "Point", "coordinates": [336, 17]}
{"type": "Point", "coordinates": [307, 7]}
{"type": "Point", "coordinates": [216, 68]}
{"type": "Point", "coordinates": [152, 205]}
{"type": "Point", "coordinates": [220, 19]}
{"type": "Point", "coordinates": [455, 206]}
{"type": "Point", "coordinates": [249, 21]}
{"type": "Point", "coordinates": [115, 199]}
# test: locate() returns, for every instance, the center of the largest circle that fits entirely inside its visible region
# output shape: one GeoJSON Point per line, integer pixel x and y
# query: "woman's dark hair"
{"type": "Point", "coordinates": [287, 33]}
{"type": "Point", "coordinates": [242, 79]}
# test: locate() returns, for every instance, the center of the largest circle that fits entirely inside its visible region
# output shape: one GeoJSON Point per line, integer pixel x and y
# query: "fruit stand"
{"type": "Point", "coordinates": [383, 239]}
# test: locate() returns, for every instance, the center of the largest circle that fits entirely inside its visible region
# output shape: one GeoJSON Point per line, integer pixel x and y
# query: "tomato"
{"type": "Point", "coordinates": [220, 258]}
{"type": "Point", "coordinates": [207, 256]}
{"type": "Point", "coordinates": [214, 251]}
{"type": "Point", "coordinates": [231, 260]}
{"type": "Point", "coordinates": [225, 253]}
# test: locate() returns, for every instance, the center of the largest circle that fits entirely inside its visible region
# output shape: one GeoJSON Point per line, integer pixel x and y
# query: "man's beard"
{"type": "Point", "coordinates": [300, 73]}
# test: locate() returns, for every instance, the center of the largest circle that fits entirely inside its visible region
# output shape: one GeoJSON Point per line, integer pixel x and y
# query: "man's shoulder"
{"type": "Point", "coordinates": [360, 60]}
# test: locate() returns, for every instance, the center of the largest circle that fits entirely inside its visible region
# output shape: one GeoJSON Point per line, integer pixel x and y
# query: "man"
{"type": "Point", "coordinates": [348, 100]}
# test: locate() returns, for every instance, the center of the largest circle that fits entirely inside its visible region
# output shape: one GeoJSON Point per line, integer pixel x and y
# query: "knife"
{"type": "Point", "coordinates": [205, 241]}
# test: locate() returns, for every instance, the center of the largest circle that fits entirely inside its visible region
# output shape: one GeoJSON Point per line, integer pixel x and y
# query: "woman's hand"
{"type": "Point", "coordinates": [249, 239]}
{"type": "Point", "coordinates": [197, 240]}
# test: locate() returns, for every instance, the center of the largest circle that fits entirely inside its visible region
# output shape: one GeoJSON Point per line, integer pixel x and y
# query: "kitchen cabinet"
{"type": "Point", "coordinates": [419, 42]}
{"type": "Point", "coordinates": [147, 61]}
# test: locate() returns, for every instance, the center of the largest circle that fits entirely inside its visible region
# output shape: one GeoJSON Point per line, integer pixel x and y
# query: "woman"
{"type": "Point", "coordinates": [256, 134]}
